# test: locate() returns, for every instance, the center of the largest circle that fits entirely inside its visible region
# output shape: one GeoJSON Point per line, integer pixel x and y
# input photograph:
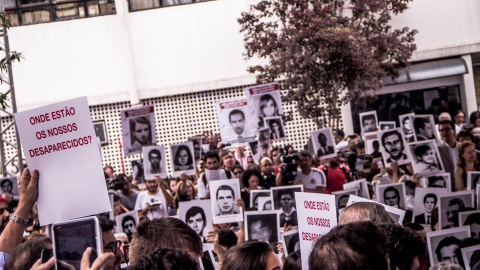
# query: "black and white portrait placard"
{"type": "Point", "coordinates": [9, 185]}
{"type": "Point", "coordinates": [323, 143]}
{"type": "Point", "coordinates": [256, 194]}
{"type": "Point", "coordinates": [155, 162]}
{"type": "Point", "coordinates": [361, 187]}
{"type": "Point", "coordinates": [386, 125]}
{"type": "Point", "coordinates": [425, 158]}
{"type": "Point", "coordinates": [262, 226]}
{"type": "Point", "coordinates": [342, 196]}
{"type": "Point", "coordinates": [183, 160]}
{"type": "Point", "coordinates": [472, 219]}
{"type": "Point", "coordinates": [127, 223]}
{"type": "Point", "coordinates": [224, 195]}
{"type": "Point", "coordinates": [472, 180]}
{"type": "Point", "coordinates": [372, 144]}
{"type": "Point", "coordinates": [406, 124]}
{"type": "Point", "coordinates": [263, 101]}
{"type": "Point", "coordinates": [392, 195]}
{"type": "Point", "coordinates": [263, 140]}
{"type": "Point", "coordinates": [197, 148]}
{"type": "Point", "coordinates": [444, 245]}
{"type": "Point", "coordinates": [138, 129]}
{"type": "Point", "coordinates": [451, 204]}
{"type": "Point", "coordinates": [277, 130]}
{"type": "Point", "coordinates": [441, 180]}
{"type": "Point", "coordinates": [235, 122]}
{"type": "Point", "coordinates": [396, 214]}
{"type": "Point", "coordinates": [101, 131]}
{"type": "Point", "coordinates": [393, 147]}
{"type": "Point", "coordinates": [197, 214]}
{"type": "Point", "coordinates": [290, 241]}
{"type": "Point", "coordinates": [265, 204]}
{"type": "Point", "coordinates": [424, 127]}
{"type": "Point", "coordinates": [426, 200]}
{"type": "Point", "coordinates": [368, 121]}
{"type": "Point", "coordinates": [283, 199]}
{"type": "Point", "coordinates": [471, 257]}
{"type": "Point", "coordinates": [138, 171]}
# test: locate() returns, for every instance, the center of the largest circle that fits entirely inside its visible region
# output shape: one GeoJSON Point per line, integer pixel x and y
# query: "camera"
{"type": "Point", "coordinates": [114, 184]}
{"type": "Point", "coordinates": [289, 169]}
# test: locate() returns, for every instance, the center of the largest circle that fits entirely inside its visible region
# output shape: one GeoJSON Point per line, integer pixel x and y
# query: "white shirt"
{"type": "Point", "coordinates": [202, 189]}
{"type": "Point", "coordinates": [157, 211]}
{"type": "Point", "coordinates": [315, 179]}
{"type": "Point", "coordinates": [453, 152]}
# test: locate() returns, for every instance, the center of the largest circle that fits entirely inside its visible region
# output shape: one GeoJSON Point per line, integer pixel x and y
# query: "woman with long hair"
{"type": "Point", "coordinates": [183, 159]}
{"type": "Point", "coordinates": [467, 162]}
{"type": "Point", "coordinates": [268, 108]}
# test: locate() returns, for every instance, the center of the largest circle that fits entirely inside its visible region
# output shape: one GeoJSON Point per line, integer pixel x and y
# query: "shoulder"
{"type": "Point", "coordinates": [317, 172]}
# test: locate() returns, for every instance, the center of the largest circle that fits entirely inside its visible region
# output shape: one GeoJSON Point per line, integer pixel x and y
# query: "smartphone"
{"type": "Point", "coordinates": [46, 255]}
{"type": "Point", "coordinates": [71, 239]}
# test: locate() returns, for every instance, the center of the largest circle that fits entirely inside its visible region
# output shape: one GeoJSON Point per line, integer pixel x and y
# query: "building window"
{"type": "Point", "coordinates": [24, 12]}
{"type": "Point", "coordinates": [135, 5]}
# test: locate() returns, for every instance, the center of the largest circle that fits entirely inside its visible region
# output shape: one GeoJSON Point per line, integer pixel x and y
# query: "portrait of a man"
{"type": "Point", "coordinates": [391, 197]}
{"type": "Point", "coordinates": [154, 156]}
{"type": "Point", "coordinates": [140, 132]}
{"type": "Point", "coordinates": [448, 250]}
{"type": "Point", "coordinates": [473, 220]}
{"type": "Point", "coordinates": [393, 144]}
{"type": "Point", "coordinates": [454, 206]}
{"type": "Point", "coordinates": [369, 123]}
{"type": "Point", "coordinates": [430, 202]}
{"type": "Point", "coordinates": [276, 128]}
{"type": "Point", "coordinates": [225, 200]}
{"type": "Point", "coordinates": [128, 226]}
{"type": "Point", "coordinates": [237, 122]}
{"type": "Point", "coordinates": [424, 129]}
{"type": "Point", "coordinates": [263, 227]}
{"type": "Point", "coordinates": [197, 220]}
{"type": "Point", "coordinates": [324, 149]}
{"type": "Point", "coordinates": [288, 213]}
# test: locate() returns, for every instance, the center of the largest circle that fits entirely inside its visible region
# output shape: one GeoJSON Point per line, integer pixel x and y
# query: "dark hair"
{"type": "Point", "coordinates": [419, 123]}
{"type": "Point", "coordinates": [6, 181]}
{"type": "Point", "coordinates": [457, 201]}
{"type": "Point", "coordinates": [177, 154]}
{"type": "Point", "coordinates": [445, 242]}
{"type": "Point", "coordinates": [293, 261]}
{"type": "Point", "coordinates": [211, 154]}
{"type": "Point", "coordinates": [225, 153]}
{"type": "Point", "coordinates": [264, 99]}
{"type": "Point", "coordinates": [339, 133]}
{"type": "Point", "coordinates": [414, 226]}
{"type": "Point", "coordinates": [193, 211]}
{"type": "Point", "coordinates": [360, 144]}
{"type": "Point", "coordinates": [227, 238]}
{"type": "Point", "coordinates": [249, 173]}
{"type": "Point", "coordinates": [106, 224]}
{"type": "Point", "coordinates": [272, 121]}
{"type": "Point", "coordinates": [390, 133]}
{"type": "Point", "coordinates": [430, 195]}
{"type": "Point", "coordinates": [368, 117]}
{"type": "Point", "coordinates": [321, 135]}
{"type": "Point", "coordinates": [473, 117]}
{"type": "Point", "coordinates": [141, 120]}
{"type": "Point", "coordinates": [126, 219]}
{"type": "Point", "coordinates": [225, 187]}
{"type": "Point", "coordinates": [248, 255]}
{"type": "Point", "coordinates": [26, 254]}
{"type": "Point", "coordinates": [305, 153]}
{"type": "Point", "coordinates": [472, 219]}
{"type": "Point", "coordinates": [447, 122]}
{"type": "Point", "coordinates": [293, 241]}
{"type": "Point", "coordinates": [155, 151]}
{"type": "Point", "coordinates": [116, 197]}
{"type": "Point", "coordinates": [404, 245]}
{"type": "Point", "coordinates": [465, 133]}
{"type": "Point", "coordinates": [388, 189]}
{"type": "Point", "coordinates": [263, 219]}
{"type": "Point", "coordinates": [358, 245]}
{"type": "Point", "coordinates": [421, 150]}
{"type": "Point", "coordinates": [405, 119]}
{"type": "Point", "coordinates": [235, 112]}
{"type": "Point", "coordinates": [164, 232]}
{"type": "Point", "coordinates": [165, 259]}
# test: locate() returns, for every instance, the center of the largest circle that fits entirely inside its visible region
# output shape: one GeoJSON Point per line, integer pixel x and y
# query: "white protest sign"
{"type": "Point", "coordinates": [317, 215]}
{"type": "Point", "coordinates": [59, 141]}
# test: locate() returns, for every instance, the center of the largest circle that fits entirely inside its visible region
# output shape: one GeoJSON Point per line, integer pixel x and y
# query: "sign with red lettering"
{"type": "Point", "coordinates": [317, 215]}
{"type": "Point", "coordinates": [59, 141]}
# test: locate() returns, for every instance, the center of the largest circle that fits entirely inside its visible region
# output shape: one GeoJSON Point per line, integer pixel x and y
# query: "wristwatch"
{"type": "Point", "coordinates": [18, 220]}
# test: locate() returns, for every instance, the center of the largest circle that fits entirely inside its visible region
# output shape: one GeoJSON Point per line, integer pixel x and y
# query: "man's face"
{"type": "Point", "coordinates": [394, 146]}
{"type": "Point", "coordinates": [429, 204]}
{"type": "Point", "coordinates": [225, 201]}
{"type": "Point", "coordinates": [197, 149]}
{"type": "Point", "coordinates": [141, 132]}
{"type": "Point", "coordinates": [109, 245]}
{"type": "Point", "coordinates": [275, 156]}
{"type": "Point", "coordinates": [305, 163]}
{"type": "Point", "coordinates": [229, 160]}
{"type": "Point", "coordinates": [274, 126]}
{"type": "Point", "coordinates": [109, 172]}
{"type": "Point", "coordinates": [322, 140]}
{"type": "Point", "coordinates": [151, 185]}
{"type": "Point", "coordinates": [459, 118]}
{"type": "Point", "coordinates": [286, 202]}
{"type": "Point", "coordinates": [117, 210]}
{"type": "Point", "coordinates": [7, 187]}
{"type": "Point", "coordinates": [259, 233]}
{"type": "Point", "coordinates": [447, 134]}
{"type": "Point", "coordinates": [391, 198]}
{"type": "Point", "coordinates": [211, 164]}
{"type": "Point", "coordinates": [196, 223]}
{"type": "Point", "coordinates": [448, 254]}
{"type": "Point", "coordinates": [369, 125]}
{"type": "Point", "coordinates": [238, 123]}
{"type": "Point", "coordinates": [475, 230]}
{"type": "Point", "coordinates": [266, 166]}
{"type": "Point", "coordinates": [129, 227]}
{"type": "Point", "coordinates": [452, 215]}
{"type": "Point", "coordinates": [154, 158]}
{"type": "Point", "coordinates": [427, 131]}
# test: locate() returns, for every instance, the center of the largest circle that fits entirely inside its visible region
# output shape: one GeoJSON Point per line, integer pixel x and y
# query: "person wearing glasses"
{"type": "Point", "coordinates": [110, 244]}
{"type": "Point", "coordinates": [268, 177]}
{"type": "Point", "coordinates": [448, 148]}
{"type": "Point", "coordinates": [250, 180]}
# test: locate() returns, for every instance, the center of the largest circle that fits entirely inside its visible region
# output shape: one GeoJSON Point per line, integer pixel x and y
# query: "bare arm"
{"type": "Point", "coordinates": [459, 179]}
{"type": "Point", "coordinates": [241, 233]}
{"type": "Point", "coordinates": [12, 235]}
{"type": "Point", "coordinates": [279, 178]}
{"type": "Point", "coordinates": [166, 195]}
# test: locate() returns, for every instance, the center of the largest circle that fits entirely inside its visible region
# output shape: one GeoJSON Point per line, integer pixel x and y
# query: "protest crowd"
{"type": "Point", "coordinates": [406, 197]}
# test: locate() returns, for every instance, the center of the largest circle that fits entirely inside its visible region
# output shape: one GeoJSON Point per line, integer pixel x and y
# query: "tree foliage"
{"type": "Point", "coordinates": [326, 51]}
